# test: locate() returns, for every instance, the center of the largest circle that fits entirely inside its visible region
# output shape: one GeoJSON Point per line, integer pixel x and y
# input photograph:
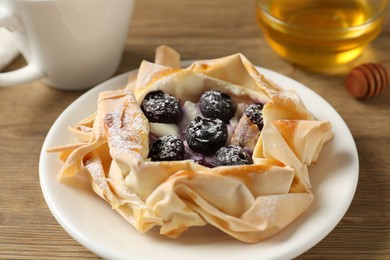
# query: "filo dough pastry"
{"type": "Point", "coordinates": [248, 202]}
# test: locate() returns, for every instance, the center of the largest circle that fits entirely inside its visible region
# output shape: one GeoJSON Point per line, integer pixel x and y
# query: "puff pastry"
{"type": "Point", "coordinates": [248, 202]}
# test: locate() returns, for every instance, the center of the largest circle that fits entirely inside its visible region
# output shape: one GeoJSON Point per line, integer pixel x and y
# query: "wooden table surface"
{"type": "Point", "coordinates": [197, 29]}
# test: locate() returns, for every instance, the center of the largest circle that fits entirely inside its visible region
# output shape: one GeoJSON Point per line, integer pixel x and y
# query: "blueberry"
{"type": "Point", "coordinates": [255, 113]}
{"type": "Point", "coordinates": [161, 108]}
{"type": "Point", "coordinates": [215, 104]}
{"type": "Point", "coordinates": [231, 155]}
{"type": "Point", "coordinates": [167, 148]}
{"type": "Point", "coordinates": [206, 135]}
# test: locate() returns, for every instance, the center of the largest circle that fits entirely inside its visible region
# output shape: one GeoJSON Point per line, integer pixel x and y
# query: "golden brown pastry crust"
{"type": "Point", "coordinates": [250, 202]}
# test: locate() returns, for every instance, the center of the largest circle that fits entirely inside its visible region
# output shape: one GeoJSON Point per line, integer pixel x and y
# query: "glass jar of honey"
{"type": "Point", "coordinates": [320, 34]}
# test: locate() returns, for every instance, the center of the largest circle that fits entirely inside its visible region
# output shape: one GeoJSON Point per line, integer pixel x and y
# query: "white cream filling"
{"type": "Point", "coordinates": [161, 129]}
{"type": "Point", "coordinates": [190, 111]}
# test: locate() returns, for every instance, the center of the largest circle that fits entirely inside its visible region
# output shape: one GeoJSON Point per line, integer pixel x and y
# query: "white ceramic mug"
{"type": "Point", "coordinates": [70, 44]}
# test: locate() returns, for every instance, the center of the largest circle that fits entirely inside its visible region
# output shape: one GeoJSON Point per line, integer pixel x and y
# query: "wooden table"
{"type": "Point", "coordinates": [196, 29]}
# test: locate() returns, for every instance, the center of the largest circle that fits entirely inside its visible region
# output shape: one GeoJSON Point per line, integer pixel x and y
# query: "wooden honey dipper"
{"type": "Point", "coordinates": [367, 80]}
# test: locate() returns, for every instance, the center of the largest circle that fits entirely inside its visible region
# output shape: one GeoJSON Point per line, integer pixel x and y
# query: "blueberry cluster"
{"type": "Point", "coordinates": [205, 135]}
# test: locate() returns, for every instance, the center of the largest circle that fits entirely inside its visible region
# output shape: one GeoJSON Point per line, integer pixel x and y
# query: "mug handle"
{"type": "Point", "coordinates": [23, 75]}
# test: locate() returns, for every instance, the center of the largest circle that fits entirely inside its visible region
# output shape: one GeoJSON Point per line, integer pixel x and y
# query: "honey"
{"type": "Point", "coordinates": [320, 34]}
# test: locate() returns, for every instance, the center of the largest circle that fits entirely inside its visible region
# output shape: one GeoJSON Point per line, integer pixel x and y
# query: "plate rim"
{"type": "Point", "coordinates": [80, 238]}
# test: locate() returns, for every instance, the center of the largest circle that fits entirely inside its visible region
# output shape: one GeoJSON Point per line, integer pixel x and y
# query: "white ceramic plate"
{"type": "Point", "coordinates": [93, 223]}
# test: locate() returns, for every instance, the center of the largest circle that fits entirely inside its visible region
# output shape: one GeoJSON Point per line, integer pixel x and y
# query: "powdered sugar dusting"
{"type": "Point", "coordinates": [95, 168]}
{"type": "Point", "coordinates": [127, 130]}
{"type": "Point", "coordinates": [268, 208]}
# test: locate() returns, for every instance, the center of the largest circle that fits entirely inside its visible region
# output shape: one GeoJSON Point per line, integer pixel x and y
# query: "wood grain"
{"type": "Point", "coordinates": [196, 29]}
